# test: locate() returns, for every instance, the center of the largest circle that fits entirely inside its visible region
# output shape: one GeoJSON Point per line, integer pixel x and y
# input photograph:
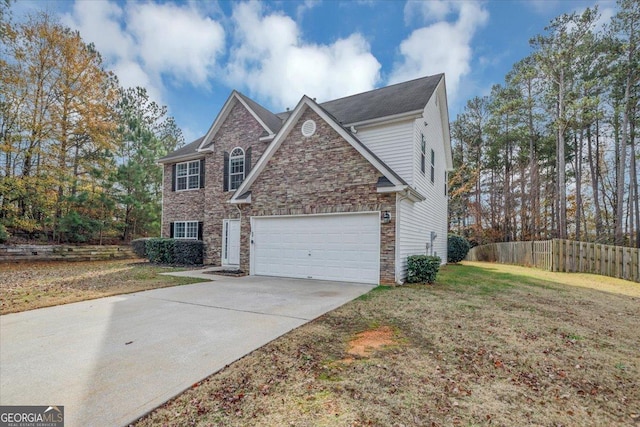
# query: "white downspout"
{"type": "Point", "coordinates": [399, 198]}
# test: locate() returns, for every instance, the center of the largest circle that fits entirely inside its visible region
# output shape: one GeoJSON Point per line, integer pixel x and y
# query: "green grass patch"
{"type": "Point", "coordinates": [374, 292]}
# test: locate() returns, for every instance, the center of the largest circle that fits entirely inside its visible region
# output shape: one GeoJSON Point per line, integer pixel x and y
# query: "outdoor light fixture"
{"type": "Point", "coordinates": [386, 217]}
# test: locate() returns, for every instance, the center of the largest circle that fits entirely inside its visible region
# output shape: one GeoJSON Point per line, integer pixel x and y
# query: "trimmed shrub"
{"type": "Point", "coordinates": [4, 235]}
{"type": "Point", "coordinates": [139, 247]}
{"type": "Point", "coordinates": [188, 252]}
{"type": "Point", "coordinates": [458, 248]}
{"type": "Point", "coordinates": [422, 268]}
{"type": "Point", "coordinates": [160, 250]}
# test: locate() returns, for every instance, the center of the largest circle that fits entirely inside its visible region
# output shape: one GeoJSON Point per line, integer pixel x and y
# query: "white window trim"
{"type": "Point", "coordinates": [244, 168]}
{"type": "Point", "coordinates": [433, 166]}
{"type": "Point", "coordinates": [423, 154]}
{"type": "Point", "coordinates": [186, 230]}
{"type": "Point", "coordinates": [188, 175]}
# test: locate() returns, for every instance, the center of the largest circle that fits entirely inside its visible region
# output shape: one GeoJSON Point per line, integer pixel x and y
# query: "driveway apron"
{"type": "Point", "coordinates": [111, 360]}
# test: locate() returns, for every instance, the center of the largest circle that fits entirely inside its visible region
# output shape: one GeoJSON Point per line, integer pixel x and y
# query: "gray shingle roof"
{"type": "Point", "coordinates": [387, 101]}
{"type": "Point", "coordinates": [272, 121]}
{"type": "Point", "coordinates": [188, 150]}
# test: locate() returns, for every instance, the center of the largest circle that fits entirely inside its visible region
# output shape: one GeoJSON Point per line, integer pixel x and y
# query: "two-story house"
{"type": "Point", "coordinates": [342, 190]}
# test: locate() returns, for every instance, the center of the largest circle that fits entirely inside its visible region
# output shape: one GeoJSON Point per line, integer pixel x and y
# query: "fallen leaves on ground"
{"type": "Point", "coordinates": [26, 286]}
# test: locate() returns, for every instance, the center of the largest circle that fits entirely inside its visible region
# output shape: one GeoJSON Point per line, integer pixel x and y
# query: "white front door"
{"type": "Point", "coordinates": [231, 242]}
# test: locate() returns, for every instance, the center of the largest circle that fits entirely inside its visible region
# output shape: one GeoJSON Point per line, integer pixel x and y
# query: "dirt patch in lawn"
{"type": "Point", "coordinates": [368, 341]}
{"type": "Point", "coordinates": [479, 347]}
{"type": "Point", "coordinates": [27, 286]}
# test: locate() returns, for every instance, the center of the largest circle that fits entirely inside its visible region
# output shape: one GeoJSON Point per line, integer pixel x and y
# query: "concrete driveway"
{"type": "Point", "coordinates": [111, 360]}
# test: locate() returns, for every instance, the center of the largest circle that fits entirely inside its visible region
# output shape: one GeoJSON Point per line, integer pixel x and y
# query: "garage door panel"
{"type": "Point", "coordinates": [326, 247]}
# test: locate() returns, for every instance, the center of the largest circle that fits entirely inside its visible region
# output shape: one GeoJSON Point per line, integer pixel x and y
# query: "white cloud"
{"type": "Point", "coordinates": [427, 11]}
{"type": "Point", "coordinates": [176, 41]}
{"type": "Point", "coordinates": [270, 58]}
{"type": "Point", "coordinates": [144, 42]}
{"type": "Point", "coordinates": [442, 46]}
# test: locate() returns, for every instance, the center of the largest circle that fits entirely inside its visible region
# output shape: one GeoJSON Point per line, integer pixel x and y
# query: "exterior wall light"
{"type": "Point", "coordinates": [386, 217]}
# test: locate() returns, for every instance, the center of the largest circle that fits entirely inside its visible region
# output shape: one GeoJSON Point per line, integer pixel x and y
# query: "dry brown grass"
{"type": "Point", "coordinates": [483, 346]}
{"type": "Point", "coordinates": [27, 286]}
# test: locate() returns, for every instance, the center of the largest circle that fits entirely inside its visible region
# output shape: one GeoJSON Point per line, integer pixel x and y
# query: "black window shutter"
{"type": "Point", "coordinates": [225, 175]}
{"type": "Point", "coordinates": [173, 178]}
{"type": "Point", "coordinates": [247, 162]}
{"type": "Point", "coordinates": [200, 230]}
{"type": "Point", "coordinates": [171, 230]}
{"type": "Point", "coordinates": [202, 173]}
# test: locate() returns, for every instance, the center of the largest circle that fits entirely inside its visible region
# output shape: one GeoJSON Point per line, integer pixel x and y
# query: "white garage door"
{"type": "Point", "coordinates": [343, 247]}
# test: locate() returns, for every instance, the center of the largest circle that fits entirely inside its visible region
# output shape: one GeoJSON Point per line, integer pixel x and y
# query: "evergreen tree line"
{"type": "Point", "coordinates": [77, 151]}
{"type": "Point", "coordinates": [552, 152]}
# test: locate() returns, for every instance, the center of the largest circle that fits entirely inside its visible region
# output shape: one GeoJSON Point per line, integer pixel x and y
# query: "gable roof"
{"type": "Point", "coordinates": [306, 102]}
{"type": "Point", "coordinates": [269, 121]}
{"type": "Point", "coordinates": [273, 122]}
{"type": "Point", "coordinates": [187, 152]}
{"type": "Point", "coordinates": [394, 100]}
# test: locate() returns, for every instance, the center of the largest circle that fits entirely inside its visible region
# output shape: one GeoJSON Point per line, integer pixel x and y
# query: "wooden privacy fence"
{"type": "Point", "coordinates": [564, 255]}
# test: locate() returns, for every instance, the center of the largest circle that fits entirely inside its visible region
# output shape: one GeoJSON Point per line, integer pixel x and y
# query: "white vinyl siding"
{"type": "Point", "coordinates": [416, 220]}
{"type": "Point", "coordinates": [392, 144]}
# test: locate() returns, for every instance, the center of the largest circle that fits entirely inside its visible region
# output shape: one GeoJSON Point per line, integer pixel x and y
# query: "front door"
{"type": "Point", "coordinates": [231, 242]}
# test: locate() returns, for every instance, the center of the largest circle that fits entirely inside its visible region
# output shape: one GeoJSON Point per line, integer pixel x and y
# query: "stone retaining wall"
{"type": "Point", "coordinates": [27, 253]}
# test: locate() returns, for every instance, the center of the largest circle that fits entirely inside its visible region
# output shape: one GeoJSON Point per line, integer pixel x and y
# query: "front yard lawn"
{"type": "Point", "coordinates": [26, 286]}
{"type": "Point", "coordinates": [485, 345]}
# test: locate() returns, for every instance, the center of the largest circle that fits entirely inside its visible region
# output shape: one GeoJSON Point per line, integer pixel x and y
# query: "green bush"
{"type": "Point", "coordinates": [4, 235]}
{"type": "Point", "coordinates": [188, 252]}
{"type": "Point", "coordinates": [173, 251]}
{"type": "Point", "coordinates": [139, 247]}
{"type": "Point", "coordinates": [160, 250]}
{"type": "Point", "coordinates": [422, 268]}
{"type": "Point", "coordinates": [458, 248]}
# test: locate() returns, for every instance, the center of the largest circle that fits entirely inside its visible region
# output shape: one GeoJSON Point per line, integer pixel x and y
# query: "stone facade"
{"type": "Point", "coordinates": [240, 129]}
{"type": "Point", "coordinates": [319, 174]}
{"type": "Point", "coordinates": [209, 204]}
{"type": "Point", "coordinates": [306, 175]}
{"type": "Point", "coordinates": [186, 205]}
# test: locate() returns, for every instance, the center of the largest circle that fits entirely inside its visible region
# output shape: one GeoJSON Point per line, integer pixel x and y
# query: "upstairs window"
{"type": "Point", "coordinates": [236, 168]}
{"type": "Point", "coordinates": [433, 166]}
{"type": "Point", "coordinates": [188, 175]}
{"type": "Point", "coordinates": [423, 154]}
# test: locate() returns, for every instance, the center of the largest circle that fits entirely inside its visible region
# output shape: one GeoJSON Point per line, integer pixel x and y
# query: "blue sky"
{"type": "Point", "coordinates": [190, 55]}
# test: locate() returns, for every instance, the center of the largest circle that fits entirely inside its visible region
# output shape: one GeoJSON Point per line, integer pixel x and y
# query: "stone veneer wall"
{"type": "Point", "coordinates": [240, 129]}
{"type": "Point", "coordinates": [186, 205]}
{"type": "Point", "coordinates": [319, 174]}
{"type": "Point", "coordinates": [208, 204]}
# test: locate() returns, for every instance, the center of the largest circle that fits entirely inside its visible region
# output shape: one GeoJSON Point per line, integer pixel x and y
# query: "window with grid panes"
{"type": "Point", "coordinates": [236, 168]}
{"type": "Point", "coordinates": [188, 175]}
